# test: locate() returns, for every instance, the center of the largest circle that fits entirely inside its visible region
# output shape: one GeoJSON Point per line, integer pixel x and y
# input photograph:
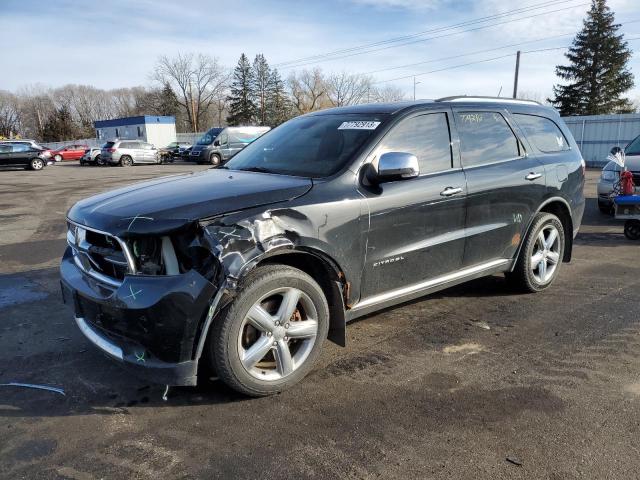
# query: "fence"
{"type": "Point", "coordinates": [597, 134]}
{"type": "Point", "coordinates": [94, 142]}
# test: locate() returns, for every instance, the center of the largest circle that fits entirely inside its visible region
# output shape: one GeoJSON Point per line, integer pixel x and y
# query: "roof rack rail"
{"type": "Point", "coordinates": [474, 98]}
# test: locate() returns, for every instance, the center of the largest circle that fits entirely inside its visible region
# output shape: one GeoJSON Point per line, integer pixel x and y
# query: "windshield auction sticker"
{"type": "Point", "coordinates": [361, 125]}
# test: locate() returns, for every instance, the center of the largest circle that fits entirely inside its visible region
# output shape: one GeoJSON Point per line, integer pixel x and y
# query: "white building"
{"type": "Point", "coordinates": [158, 130]}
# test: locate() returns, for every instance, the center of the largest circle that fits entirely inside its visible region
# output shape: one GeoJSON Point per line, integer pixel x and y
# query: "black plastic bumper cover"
{"type": "Point", "coordinates": [150, 324]}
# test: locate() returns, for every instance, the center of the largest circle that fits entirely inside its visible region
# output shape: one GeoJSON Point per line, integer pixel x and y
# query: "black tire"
{"type": "Point", "coordinates": [125, 161]}
{"type": "Point", "coordinates": [632, 229]}
{"type": "Point", "coordinates": [223, 343]}
{"type": "Point", "coordinates": [605, 208]}
{"type": "Point", "coordinates": [215, 160]}
{"type": "Point", "coordinates": [99, 161]}
{"type": "Point", "coordinates": [36, 164]}
{"type": "Point", "coordinates": [523, 276]}
{"type": "Point", "coordinates": [82, 163]}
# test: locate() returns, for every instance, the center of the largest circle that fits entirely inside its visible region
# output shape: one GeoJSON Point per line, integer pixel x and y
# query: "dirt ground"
{"type": "Point", "coordinates": [550, 390]}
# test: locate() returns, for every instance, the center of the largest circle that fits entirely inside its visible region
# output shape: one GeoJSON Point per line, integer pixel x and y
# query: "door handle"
{"type": "Point", "coordinates": [533, 176]}
{"type": "Point", "coordinates": [449, 191]}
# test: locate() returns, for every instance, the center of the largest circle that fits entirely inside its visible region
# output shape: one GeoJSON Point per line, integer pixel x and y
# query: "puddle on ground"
{"type": "Point", "coordinates": [16, 290]}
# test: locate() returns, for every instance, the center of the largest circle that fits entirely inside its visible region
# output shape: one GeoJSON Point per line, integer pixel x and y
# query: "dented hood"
{"type": "Point", "coordinates": [169, 203]}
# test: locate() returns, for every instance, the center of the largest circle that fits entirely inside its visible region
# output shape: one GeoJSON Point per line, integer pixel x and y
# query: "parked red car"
{"type": "Point", "coordinates": [70, 152]}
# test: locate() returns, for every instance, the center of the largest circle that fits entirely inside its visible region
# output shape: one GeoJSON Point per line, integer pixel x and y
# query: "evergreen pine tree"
{"type": "Point", "coordinates": [598, 72]}
{"type": "Point", "coordinates": [60, 126]}
{"type": "Point", "coordinates": [278, 105]}
{"type": "Point", "coordinates": [242, 110]}
{"type": "Point", "coordinates": [261, 87]}
{"type": "Point", "coordinates": [168, 102]}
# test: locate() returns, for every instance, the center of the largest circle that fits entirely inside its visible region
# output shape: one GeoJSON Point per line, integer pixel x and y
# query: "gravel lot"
{"type": "Point", "coordinates": [551, 390]}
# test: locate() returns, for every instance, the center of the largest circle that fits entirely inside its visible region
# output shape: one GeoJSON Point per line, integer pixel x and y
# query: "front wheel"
{"type": "Point", "coordinates": [541, 254]}
{"type": "Point", "coordinates": [36, 164]}
{"type": "Point", "coordinates": [125, 161]}
{"type": "Point", "coordinates": [270, 336]}
{"type": "Point", "coordinates": [605, 208]}
{"type": "Point", "coordinates": [214, 159]}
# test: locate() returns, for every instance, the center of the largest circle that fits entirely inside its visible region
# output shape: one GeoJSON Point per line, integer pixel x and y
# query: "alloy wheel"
{"type": "Point", "coordinates": [278, 334]}
{"type": "Point", "coordinates": [546, 254]}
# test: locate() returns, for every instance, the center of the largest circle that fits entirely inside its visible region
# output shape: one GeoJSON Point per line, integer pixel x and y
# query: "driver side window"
{"type": "Point", "coordinates": [425, 136]}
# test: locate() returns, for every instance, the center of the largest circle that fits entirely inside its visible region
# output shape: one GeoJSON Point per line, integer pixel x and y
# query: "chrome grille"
{"type": "Point", "coordinates": [100, 255]}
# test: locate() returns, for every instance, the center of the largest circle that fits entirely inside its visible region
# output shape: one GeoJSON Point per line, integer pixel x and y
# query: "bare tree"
{"type": "Point", "coordinates": [387, 94]}
{"type": "Point", "coordinates": [308, 90]}
{"type": "Point", "coordinates": [197, 79]}
{"type": "Point", "coordinates": [9, 114]}
{"type": "Point", "coordinates": [36, 107]}
{"type": "Point", "coordinates": [348, 89]}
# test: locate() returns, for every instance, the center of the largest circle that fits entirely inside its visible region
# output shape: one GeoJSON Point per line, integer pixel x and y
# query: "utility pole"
{"type": "Point", "coordinates": [414, 87]}
{"type": "Point", "coordinates": [515, 78]}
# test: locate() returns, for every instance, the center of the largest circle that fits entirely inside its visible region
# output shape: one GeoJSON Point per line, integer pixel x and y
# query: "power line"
{"type": "Point", "coordinates": [451, 57]}
{"type": "Point", "coordinates": [331, 56]}
{"type": "Point", "coordinates": [425, 32]}
{"type": "Point", "coordinates": [481, 61]}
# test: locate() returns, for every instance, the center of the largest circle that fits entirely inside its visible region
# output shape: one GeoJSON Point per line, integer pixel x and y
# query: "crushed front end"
{"type": "Point", "coordinates": [141, 300]}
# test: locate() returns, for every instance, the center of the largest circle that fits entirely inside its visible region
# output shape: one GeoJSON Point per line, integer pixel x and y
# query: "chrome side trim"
{"type": "Point", "coordinates": [98, 340]}
{"type": "Point", "coordinates": [404, 291]}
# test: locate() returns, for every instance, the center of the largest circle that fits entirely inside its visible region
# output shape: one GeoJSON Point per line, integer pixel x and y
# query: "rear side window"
{"type": "Point", "coordinates": [542, 132]}
{"type": "Point", "coordinates": [20, 147]}
{"type": "Point", "coordinates": [109, 145]}
{"type": "Point", "coordinates": [426, 137]}
{"type": "Point", "coordinates": [485, 137]}
{"type": "Point", "coordinates": [5, 148]}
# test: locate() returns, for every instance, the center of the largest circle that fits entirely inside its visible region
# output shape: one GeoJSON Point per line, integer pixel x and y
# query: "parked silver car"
{"type": "Point", "coordinates": [611, 174]}
{"type": "Point", "coordinates": [129, 152]}
{"type": "Point", "coordinates": [93, 156]}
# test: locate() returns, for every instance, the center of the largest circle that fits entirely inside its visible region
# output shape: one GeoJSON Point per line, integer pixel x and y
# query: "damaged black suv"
{"type": "Point", "coordinates": [245, 270]}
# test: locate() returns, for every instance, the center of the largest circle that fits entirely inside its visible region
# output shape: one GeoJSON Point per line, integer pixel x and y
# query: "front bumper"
{"type": "Point", "coordinates": [149, 324]}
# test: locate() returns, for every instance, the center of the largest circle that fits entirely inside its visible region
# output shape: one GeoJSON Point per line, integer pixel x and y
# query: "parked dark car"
{"type": "Point", "coordinates": [329, 217]}
{"type": "Point", "coordinates": [186, 153]}
{"type": "Point", "coordinates": [23, 155]}
{"type": "Point", "coordinates": [173, 150]}
{"type": "Point", "coordinates": [47, 153]}
{"type": "Point", "coordinates": [219, 145]}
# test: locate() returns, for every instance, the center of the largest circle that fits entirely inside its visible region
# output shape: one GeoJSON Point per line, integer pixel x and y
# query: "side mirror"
{"type": "Point", "coordinates": [394, 166]}
{"type": "Point", "coordinates": [216, 143]}
{"type": "Point", "coordinates": [616, 150]}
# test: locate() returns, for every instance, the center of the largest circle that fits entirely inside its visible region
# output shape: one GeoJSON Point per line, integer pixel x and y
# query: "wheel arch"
{"type": "Point", "coordinates": [559, 207]}
{"type": "Point", "coordinates": [326, 272]}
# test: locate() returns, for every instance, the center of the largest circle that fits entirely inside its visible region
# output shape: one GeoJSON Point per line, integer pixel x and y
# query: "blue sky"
{"type": "Point", "coordinates": [115, 43]}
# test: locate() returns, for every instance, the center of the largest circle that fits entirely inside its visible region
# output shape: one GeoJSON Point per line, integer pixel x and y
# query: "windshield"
{"type": "Point", "coordinates": [209, 137]}
{"type": "Point", "coordinates": [314, 146]}
{"type": "Point", "coordinates": [633, 148]}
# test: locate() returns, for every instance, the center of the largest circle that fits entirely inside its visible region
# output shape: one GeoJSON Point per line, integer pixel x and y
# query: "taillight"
{"type": "Point", "coordinates": [111, 150]}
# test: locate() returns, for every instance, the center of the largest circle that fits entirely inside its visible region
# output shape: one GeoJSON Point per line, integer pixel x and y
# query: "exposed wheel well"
{"type": "Point", "coordinates": [560, 210]}
{"type": "Point", "coordinates": [330, 280]}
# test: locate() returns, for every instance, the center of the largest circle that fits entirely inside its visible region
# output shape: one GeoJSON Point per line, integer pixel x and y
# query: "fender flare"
{"type": "Point", "coordinates": [568, 239]}
{"type": "Point", "coordinates": [228, 290]}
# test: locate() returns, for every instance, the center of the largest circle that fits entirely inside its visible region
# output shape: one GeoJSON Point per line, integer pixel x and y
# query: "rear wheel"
{"type": "Point", "coordinates": [541, 254]}
{"type": "Point", "coordinates": [36, 164]}
{"type": "Point", "coordinates": [632, 229]}
{"type": "Point", "coordinates": [269, 337]}
{"type": "Point", "coordinates": [125, 161]}
{"type": "Point", "coordinates": [99, 161]}
{"type": "Point", "coordinates": [57, 158]}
